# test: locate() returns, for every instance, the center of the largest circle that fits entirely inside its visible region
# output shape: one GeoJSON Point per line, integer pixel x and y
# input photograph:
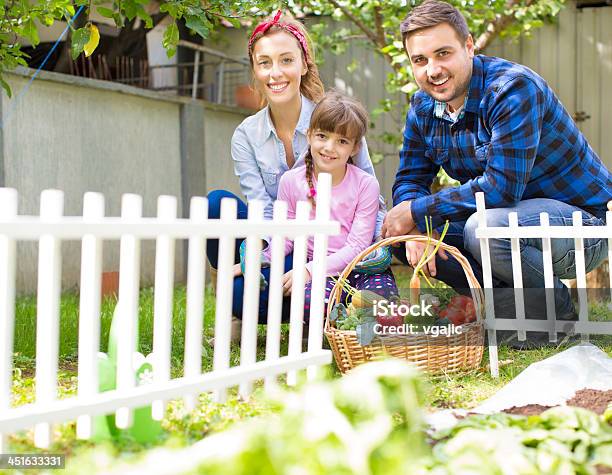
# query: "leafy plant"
{"type": "Point", "coordinates": [19, 19]}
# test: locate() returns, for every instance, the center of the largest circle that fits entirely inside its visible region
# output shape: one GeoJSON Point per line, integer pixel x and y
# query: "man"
{"type": "Point", "coordinates": [497, 127]}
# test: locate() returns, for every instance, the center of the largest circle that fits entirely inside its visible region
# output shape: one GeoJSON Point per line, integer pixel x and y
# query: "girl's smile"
{"type": "Point", "coordinates": [330, 152]}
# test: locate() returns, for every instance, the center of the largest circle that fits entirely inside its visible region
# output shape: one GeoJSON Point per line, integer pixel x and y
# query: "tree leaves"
{"type": "Point", "coordinates": [5, 86]}
{"type": "Point", "coordinates": [105, 12]}
{"type": "Point", "coordinates": [171, 39]}
{"type": "Point", "coordinates": [94, 39]}
{"type": "Point", "coordinates": [199, 24]}
{"type": "Point", "coordinates": [29, 31]}
{"type": "Point", "coordinates": [80, 38]}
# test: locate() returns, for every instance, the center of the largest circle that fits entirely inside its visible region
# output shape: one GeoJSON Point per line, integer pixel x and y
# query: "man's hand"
{"type": "Point", "coordinates": [287, 281]}
{"type": "Point", "coordinates": [414, 251]}
{"type": "Point", "coordinates": [398, 221]}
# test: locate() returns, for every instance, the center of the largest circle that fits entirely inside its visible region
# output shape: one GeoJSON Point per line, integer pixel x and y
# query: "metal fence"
{"type": "Point", "coordinates": [212, 76]}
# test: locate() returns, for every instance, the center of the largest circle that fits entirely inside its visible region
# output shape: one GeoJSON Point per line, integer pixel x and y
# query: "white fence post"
{"type": "Point", "coordinates": [275, 295]}
{"type": "Point", "coordinates": [517, 275]}
{"type": "Point", "coordinates": [250, 304]}
{"type": "Point", "coordinates": [319, 272]}
{"type": "Point", "coordinates": [487, 278]}
{"type": "Point", "coordinates": [47, 311]}
{"type": "Point", "coordinates": [196, 277]}
{"type": "Point", "coordinates": [89, 309]}
{"type": "Point", "coordinates": [583, 312]}
{"type": "Point", "coordinates": [225, 288]}
{"type": "Point", "coordinates": [8, 211]}
{"type": "Point", "coordinates": [127, 304]}
{"type": "Point", "coordinates": [297, 293]}
{"type": "Point", "coordinates": [51, 228]}
{"type": "Point", "coordinates": [548, 279]}
{"type": "Point", "coordinates": [163, 299]}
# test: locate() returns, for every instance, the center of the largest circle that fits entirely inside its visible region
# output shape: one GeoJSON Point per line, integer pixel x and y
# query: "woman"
{"type": "Point", "coordinates": [267, 144]}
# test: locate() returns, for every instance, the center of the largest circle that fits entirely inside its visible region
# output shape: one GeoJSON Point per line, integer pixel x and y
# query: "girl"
{"type": "Point", "coordinates": [269, 143]}
{"type": "Point", "coordinates": [337, 125]}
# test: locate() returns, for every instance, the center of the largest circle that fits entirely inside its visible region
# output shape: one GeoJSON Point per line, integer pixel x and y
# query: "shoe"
{"type": "Point", "coordinates": [212, 272]}
{"type": "Point", "coordinates": [235, 332]}
{"type": "Point", "coordinates": [534, 340]}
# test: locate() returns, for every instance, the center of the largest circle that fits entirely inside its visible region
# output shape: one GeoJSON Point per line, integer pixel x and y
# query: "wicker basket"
{"type": "Point", "coordinates": [433, 354]}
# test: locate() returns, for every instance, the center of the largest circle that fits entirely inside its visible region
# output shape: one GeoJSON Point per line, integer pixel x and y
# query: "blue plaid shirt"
{"type": "Point", "coordinates": [514, 141]}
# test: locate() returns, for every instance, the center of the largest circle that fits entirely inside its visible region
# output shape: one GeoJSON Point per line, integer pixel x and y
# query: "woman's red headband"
{"type": "Point", "coordinates": [266, 25]}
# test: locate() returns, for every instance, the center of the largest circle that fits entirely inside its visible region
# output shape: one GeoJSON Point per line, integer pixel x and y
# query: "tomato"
{"type": "Point", "coordinates": [388, 321]}
{"type": "Point", "coordinates": [470, 312]}
{"type": "Point", "coordinates": [455, 315]}
{"type": "Point", "coordinates": [460, 301]}
{"type": "Point", "coordinates": [443, 313]}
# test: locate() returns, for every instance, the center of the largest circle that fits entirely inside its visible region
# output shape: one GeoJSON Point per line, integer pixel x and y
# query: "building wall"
{"type": "Point", "coordinates": [81, 135]}
{"type": "Point", "coordinates": [574, 55]}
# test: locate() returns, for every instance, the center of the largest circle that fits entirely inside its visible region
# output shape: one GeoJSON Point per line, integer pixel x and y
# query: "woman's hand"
{"type": "Point", "coordinates": [236, 270]}
{"type": "Point", "coordinates": [287, 281]}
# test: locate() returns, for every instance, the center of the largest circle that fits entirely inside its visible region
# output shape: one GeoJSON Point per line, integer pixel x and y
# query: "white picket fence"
{"type": "Point", "coordinates": [51, 228]}
{"type": "Point", "coordinates": [545, 232]}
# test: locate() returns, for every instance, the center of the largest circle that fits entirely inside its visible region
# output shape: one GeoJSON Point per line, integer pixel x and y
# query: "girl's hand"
{"type": "Point", "coordinates": [414, 251]}
{"type": "Point", "coordinates": [287, 281]}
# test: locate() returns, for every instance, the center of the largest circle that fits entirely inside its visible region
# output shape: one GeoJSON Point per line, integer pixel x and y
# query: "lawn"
{"type": "Point", "coordinates": [181, 428]}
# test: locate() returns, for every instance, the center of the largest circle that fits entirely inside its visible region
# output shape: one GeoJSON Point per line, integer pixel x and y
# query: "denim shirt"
{"type": "Point", "coordinates": [260, 160]}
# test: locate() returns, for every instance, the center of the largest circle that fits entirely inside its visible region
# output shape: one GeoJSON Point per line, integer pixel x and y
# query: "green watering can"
{"type": "Point", "coordinates": [144, 429]}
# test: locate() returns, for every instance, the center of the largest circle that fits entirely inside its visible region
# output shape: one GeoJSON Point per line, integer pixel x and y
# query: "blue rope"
{"type": "Point", "coordinates": [26, 87]}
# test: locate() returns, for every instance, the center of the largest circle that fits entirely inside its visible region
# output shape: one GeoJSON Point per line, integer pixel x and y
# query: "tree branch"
{"type": "Point", "coordinates": [377, 38]}
{"type": "Point", "coordinates": [495, 27]}
{"type": "Point", "coordinates": [380, 32]}
{"type": "Point", "coordinates": [362, 26]}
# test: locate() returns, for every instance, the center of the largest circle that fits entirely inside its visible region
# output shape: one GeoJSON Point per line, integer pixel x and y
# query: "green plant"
{"type": "Point", "coordinates": [21, 19]}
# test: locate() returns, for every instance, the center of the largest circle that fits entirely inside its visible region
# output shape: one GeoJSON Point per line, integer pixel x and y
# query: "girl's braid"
{"type": "Point", "coordinates": [309, 174]}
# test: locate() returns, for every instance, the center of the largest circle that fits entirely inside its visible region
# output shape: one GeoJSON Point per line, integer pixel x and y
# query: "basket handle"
{"type": "Point", "coordinates": [477, 294]}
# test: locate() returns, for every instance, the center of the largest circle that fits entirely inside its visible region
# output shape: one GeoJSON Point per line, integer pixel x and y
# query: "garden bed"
{"type": "Point", "coordinates": [592, 399]}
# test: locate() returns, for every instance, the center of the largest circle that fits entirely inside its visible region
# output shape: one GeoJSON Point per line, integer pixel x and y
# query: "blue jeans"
{"type": "Point", "coordinates": [212, 253]}
{"type": "Point", "coordinates": [463, 236]}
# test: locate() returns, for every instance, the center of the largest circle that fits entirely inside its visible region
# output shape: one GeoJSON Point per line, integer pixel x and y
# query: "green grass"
{"type": "Point", "coordinates": [465, 391]}
{"type": "Point", "coordinates": [181, 428]}
{"type": "Point", "coordinates": [25, 323]}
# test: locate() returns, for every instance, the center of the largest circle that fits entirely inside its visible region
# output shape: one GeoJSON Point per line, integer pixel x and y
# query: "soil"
{"type": "Point", "coordinates": [528, 410]}
{"type": "Point", "coordinates": [592, 399]}
{"type": "Point", "coordinates": [596, 401]}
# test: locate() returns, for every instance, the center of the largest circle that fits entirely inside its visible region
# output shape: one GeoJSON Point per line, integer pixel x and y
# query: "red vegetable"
{"type": "Point", "coordinates": [460, 301]}
{"type": "Point", "coordinates": [470, 312]}
{"type": "Point", "coordinates": [455, 315]}
{"type": "Point", "coordinates": [390, 321]}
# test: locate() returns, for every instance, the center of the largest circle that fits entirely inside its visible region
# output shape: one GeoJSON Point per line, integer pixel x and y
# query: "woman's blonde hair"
{"type": "Point", "coordinates": [311, 85]}
{"type": "Point", "coordinates": [340, 114]}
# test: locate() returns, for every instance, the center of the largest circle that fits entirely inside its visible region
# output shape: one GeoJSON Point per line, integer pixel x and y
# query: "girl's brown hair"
{"type": "Point", "coordinates": [339, 114]}
{"type": "Point", "coordinates": [311, 85]}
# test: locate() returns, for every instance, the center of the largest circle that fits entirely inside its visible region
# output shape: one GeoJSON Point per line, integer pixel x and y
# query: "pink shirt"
{"type": "Point", "coordinates": [354, 204]}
